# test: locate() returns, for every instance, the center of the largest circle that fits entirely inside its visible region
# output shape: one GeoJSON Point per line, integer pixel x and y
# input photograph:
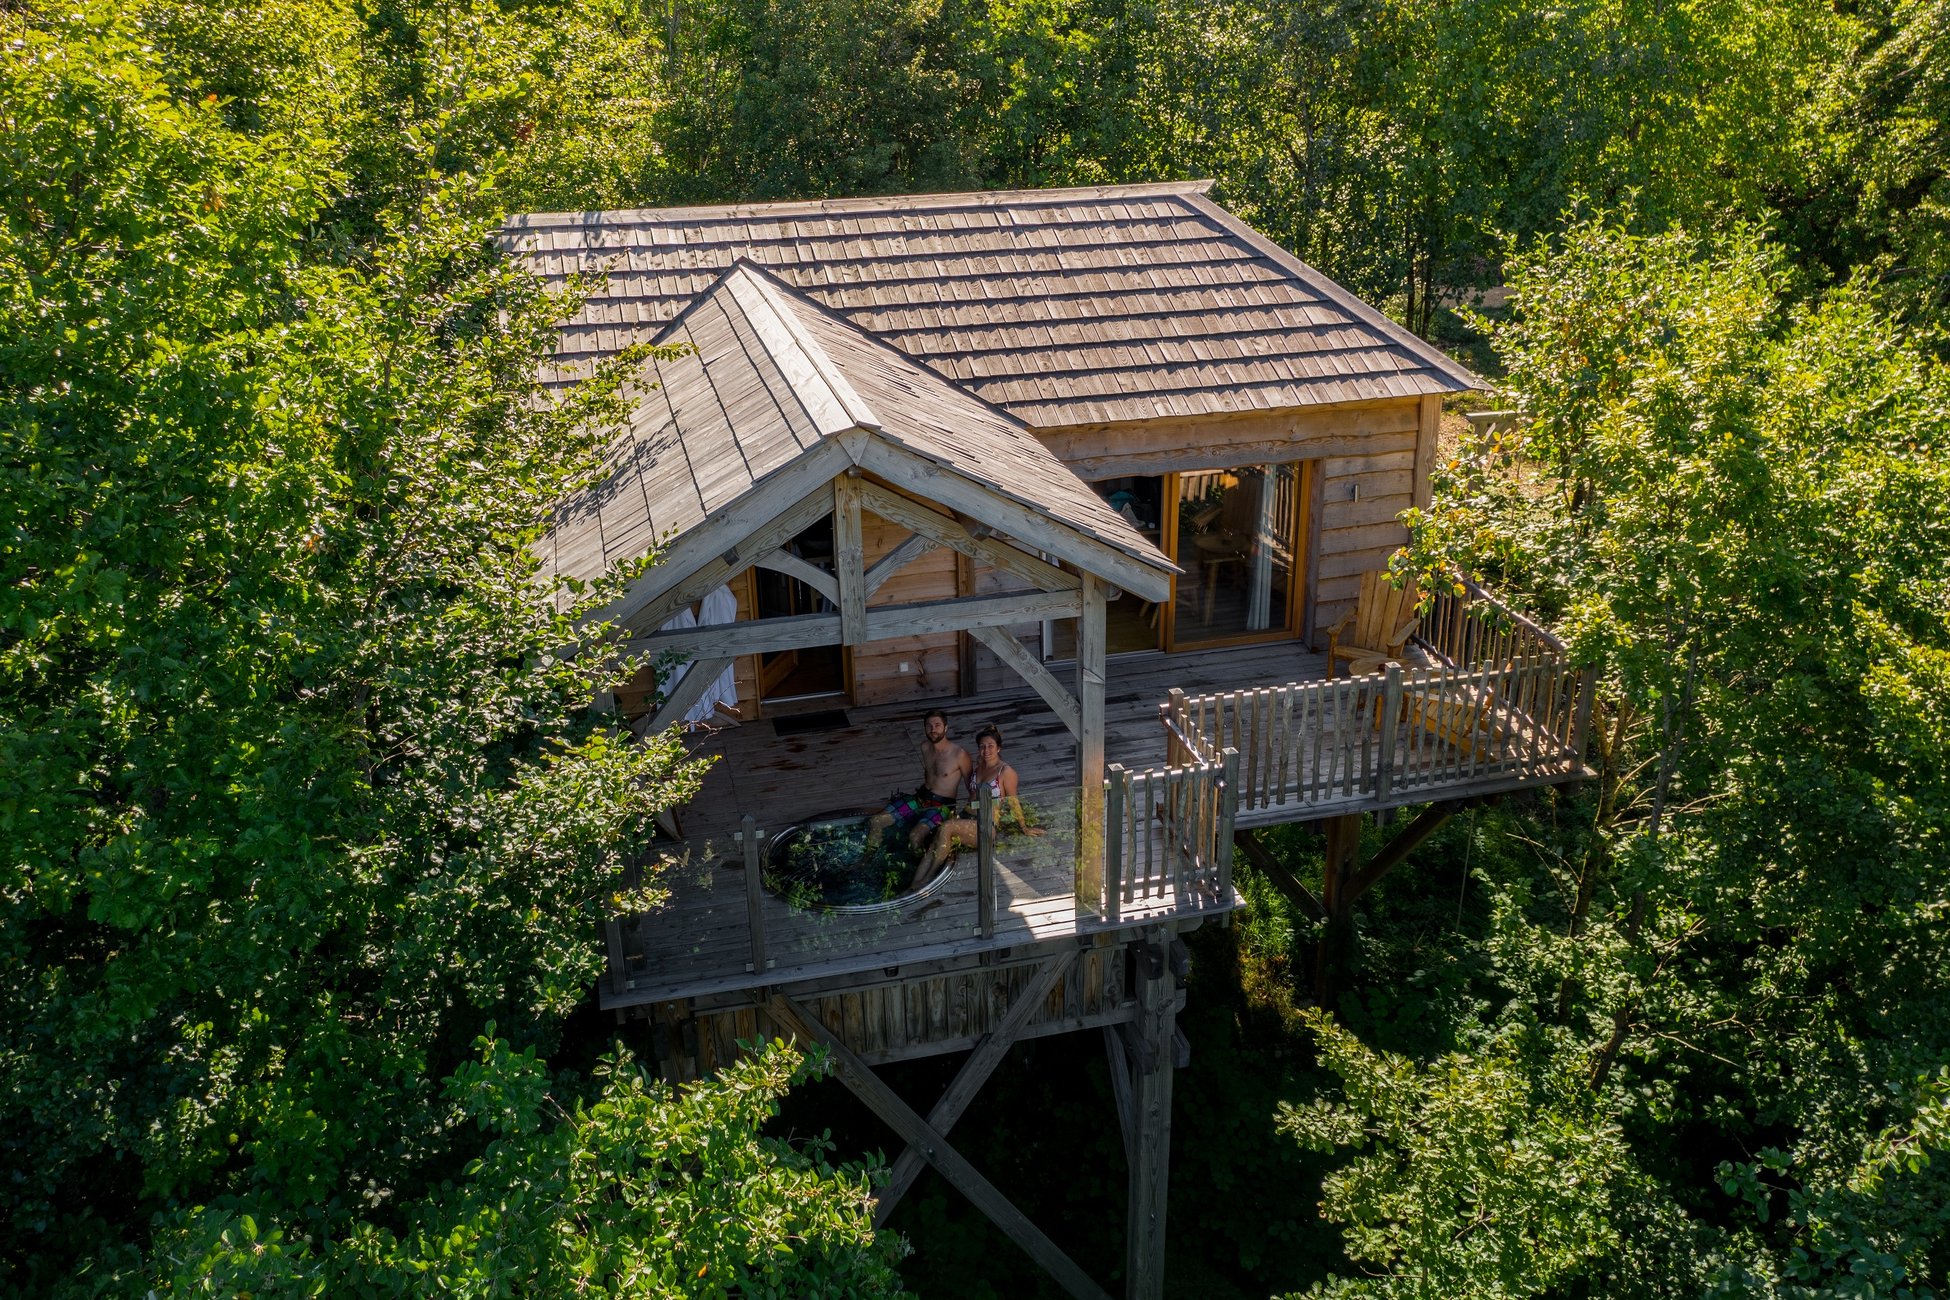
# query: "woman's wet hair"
{"type": "Point", "coordinates": [990, 732]}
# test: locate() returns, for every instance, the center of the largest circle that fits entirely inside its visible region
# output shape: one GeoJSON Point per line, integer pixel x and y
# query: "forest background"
{"type": "Point", "coordinates": [304, 829]}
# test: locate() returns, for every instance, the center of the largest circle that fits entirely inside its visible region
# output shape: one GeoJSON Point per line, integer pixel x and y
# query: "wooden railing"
{"type": "Point", "coordinates": [1473, 628]}
{"type": "Point", "coordinates": [1498, 704]}
{"type": "Point", "coordinates": [1168, 834]}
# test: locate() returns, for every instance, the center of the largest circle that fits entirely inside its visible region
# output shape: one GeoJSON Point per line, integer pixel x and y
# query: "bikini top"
{"type": "Point", "coordinates": [994, 783]}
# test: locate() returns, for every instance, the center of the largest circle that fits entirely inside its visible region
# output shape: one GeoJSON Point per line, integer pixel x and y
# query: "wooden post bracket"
{"type": "Point", "coordinates": [898, 1115]}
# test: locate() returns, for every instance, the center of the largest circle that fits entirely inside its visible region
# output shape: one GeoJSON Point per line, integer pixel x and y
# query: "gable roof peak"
{"type": "Point", "coordinates": [772, 308]}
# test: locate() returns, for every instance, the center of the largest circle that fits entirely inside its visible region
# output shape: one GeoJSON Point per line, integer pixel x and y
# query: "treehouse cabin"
{"type": "Point", "coordinates": [1095, 466]}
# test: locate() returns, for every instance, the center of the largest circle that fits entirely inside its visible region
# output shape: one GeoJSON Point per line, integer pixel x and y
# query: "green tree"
{"type": "Point", "coordinates": [1736, 499]}
{"type": "Point", "coordinates": [299, 791]}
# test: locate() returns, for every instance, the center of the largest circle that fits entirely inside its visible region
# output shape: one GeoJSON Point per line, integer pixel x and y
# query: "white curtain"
{"type": "Point", "coordinates": [1259, 606]}
{"type": "Point", "coordinates": [717, 608]}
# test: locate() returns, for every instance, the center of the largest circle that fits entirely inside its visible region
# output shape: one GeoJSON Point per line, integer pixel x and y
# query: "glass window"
{"type": "Point", "coordinates": [1237, 536]}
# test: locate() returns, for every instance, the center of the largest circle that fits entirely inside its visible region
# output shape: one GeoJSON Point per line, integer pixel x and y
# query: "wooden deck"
{"type": "Point", "coordinates": [1303, 748]}
{"type": "Point", "coordinates": [699, 943]}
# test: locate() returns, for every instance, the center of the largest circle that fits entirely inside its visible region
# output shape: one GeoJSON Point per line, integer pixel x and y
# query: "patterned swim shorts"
{"type": "Point", "coordinates": [923, 806]}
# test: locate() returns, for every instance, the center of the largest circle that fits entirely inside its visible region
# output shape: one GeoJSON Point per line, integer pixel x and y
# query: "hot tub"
{"type": "Point", "coordinates": [819, 864]}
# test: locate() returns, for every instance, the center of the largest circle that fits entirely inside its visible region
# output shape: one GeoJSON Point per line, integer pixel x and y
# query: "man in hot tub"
{"type": "Point", "coordinates": [944, 767]}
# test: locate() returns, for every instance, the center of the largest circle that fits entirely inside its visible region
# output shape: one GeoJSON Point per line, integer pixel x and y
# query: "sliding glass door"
{"type": "Point", "coordinates": [1237, 538]}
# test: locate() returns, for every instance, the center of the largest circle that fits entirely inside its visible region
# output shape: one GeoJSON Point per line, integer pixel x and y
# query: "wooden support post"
{"type": "Point", "coordinates": [1174, 707]}
{"type": "Point", "coordinates": [613, 938]}
{"type": "Point", "coordinates": [935, 1149]}
{"type": "Point", "coordinates": [1090, 740]}
{"type": "Point", "coordinates": [748, 838]}
{"type": "Point", "coordinates": [849, 559]}
{"type": "Point", "coordinates": [985, 861]}
{"type": "Point", "coordinates": [1428, 432]}
{"type": "Point", "coordinates": [1144, 1249]}
{"type": "Point", "coordinates": [1222, 842]}
{"type": "Point", "coordinates": [974, 1072]}
{"type": "Point", "coordinates": [1391, 724]}
{"type": "Point", "coordinates": [1117, 794]}
{"type": "Point", "coordinates": [1343, 847]}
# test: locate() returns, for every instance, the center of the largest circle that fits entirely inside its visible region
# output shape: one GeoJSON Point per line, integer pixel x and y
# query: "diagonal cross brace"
{"type": "Point", "coordinates": [974, 1072]}
{"type": "Point", "coordinates": [953, 1166]}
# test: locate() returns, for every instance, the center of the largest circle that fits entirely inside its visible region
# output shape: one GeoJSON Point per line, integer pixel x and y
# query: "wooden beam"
{"type": "Point", "coordinates": [1120, 1089]}
{"type": "Point", "coordinates": [929, 522]}
{"type": "Point", "coordinates": [1189, 459]}
{"type": "Point", "coordinates": [884, 623]}
{"type": "Point", "coordinates": [1428, 434]}
{"type": "Point", "coordinates": [1091, 635]}
{"type": "Point", "coordinates": [1405, 842]}
{"type": "Point", "coordinates": [1029, 525]}
{"type": "Point", "coordinates": [899, 558]}
{"type": "Point", "coordinates": [792, 566]}
{"type": "Point", "coordinates": [935, 1149]}
{"type": "Point", "coordinates": [849, 559]}
{"type": "Point", "coordinates": [1237, 435]}
{"type": "Point", "coordinates": [1144, 1244]}
{"type": "Point", "coordinates": [725, 563]}
{"type": "Point", "coordinates": [754, 636]}
{"type": "Point", "coordinates": [726, 529]}
{"type": "Point", "coordinates": [1275, 870]}
{"type": "Point", "coordinates": [697, 679]}
{"type": "Point", "coordinates": [1045, 683]}
{"type": "Point", "coordinates": [974, 1072]}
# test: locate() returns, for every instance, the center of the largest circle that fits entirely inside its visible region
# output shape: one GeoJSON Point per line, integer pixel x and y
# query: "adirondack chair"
{"type": "Point", "coordinates": [1377, 628]}
{"type": "Point", "coordinates": [1464, 716]}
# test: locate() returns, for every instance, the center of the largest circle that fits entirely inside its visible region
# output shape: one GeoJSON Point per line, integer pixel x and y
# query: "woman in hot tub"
{"type": "Point", "coordinates": [959, 832]}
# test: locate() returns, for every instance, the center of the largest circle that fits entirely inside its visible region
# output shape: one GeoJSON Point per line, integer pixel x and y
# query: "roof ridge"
{"type": "Point", "coordinates": [830, 372]}
{"type": "Point", "coordinates": [887, 202]}
{"type": "Point", "coordinates": [1334, 292]}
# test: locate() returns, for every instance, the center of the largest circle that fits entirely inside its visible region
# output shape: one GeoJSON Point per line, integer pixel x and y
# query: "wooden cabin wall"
{"type": "Point", "coordinates": [933, 662]}
{"type": "Point", "coordinates": [904, 1019]}
{"type": "Point", "coordinates": [1383, 449]}
{"type": "Point", "coordinates": [989, 673]}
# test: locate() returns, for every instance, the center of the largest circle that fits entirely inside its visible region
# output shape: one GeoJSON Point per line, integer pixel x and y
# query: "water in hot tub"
{"type": "Point", "coordinates": [827, 863]}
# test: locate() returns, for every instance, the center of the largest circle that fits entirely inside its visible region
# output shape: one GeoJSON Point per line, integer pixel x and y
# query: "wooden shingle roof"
{"type": "Point", "coordinates": [771, 379]}
{"type": "Point", "coordinates": [1065, 307]}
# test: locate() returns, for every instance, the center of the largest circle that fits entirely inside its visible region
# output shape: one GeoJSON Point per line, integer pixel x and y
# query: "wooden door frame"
{"type": "Point", "coordinates": [1299, 580]}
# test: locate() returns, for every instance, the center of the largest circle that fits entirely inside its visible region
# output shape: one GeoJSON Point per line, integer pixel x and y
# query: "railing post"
{"type": "Point", "coordinates": [1391, 713]}
{"type": "Point", "coordinates": [1581, 720]}
{"type": "Point", "coordinates": [985, 861]}
{"type": "Point", "coordinates": [748, 837]}
{"type": "Point", "coordinates": [1117, 795]}
{"type": "Point", "coordinates": [1228, 809]}
{"type": "Point", "coordinates": [1175, 710]}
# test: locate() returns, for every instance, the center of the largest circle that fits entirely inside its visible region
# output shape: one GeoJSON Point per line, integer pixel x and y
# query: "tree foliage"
{"type": "Point", "coordinates": [299, 790]}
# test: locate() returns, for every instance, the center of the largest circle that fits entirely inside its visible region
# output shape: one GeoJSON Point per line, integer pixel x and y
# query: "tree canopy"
{"type": "Point", "coordinates": [306, 824]}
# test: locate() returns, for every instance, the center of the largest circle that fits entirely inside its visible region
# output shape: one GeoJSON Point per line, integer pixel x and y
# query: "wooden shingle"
{"type": "Point", "coordinates": [1040, 285]}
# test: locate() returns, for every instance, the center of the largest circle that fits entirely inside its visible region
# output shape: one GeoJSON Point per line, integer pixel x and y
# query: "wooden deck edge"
{"type": "Point", "coordinates": [844, 972]}
{"type": "Point", "coordinates": [1279, 814]}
